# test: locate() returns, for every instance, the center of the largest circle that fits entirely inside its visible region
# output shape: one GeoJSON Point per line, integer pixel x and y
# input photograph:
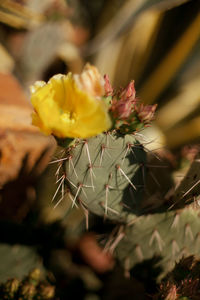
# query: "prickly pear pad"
{"type": "Point", "coordinates": [107, 173]}
{"type": "Point", "coordinates": [168, 236]}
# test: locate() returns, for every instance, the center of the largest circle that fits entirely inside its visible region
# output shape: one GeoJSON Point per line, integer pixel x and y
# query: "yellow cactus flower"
{"type": "Point", "coordinates": [65, 108]}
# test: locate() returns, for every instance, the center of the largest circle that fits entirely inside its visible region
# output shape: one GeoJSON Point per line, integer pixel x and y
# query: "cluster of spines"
{"type": "Point", "coordinates": [156, 240]}
{"type": "Point", "coordinates": [102, 152]}
{"type": "Point", "coordinates": [169, 235]}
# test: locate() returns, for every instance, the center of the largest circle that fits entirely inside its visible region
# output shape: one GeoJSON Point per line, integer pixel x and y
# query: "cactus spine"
{"type": "Point", "coordinates": [106, 173]}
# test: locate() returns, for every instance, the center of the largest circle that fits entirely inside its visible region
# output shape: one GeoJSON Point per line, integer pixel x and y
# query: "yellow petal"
{"type": "Point", "coordinates": [37, 85]}
{"type": "Point", "coordinates": [65, 110]}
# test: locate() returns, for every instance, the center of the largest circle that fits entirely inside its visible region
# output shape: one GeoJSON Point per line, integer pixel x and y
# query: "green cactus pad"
{"type": "Point", "coordinates": [170, 236]}
{"type": "Point", "coordinates": [107, 173]}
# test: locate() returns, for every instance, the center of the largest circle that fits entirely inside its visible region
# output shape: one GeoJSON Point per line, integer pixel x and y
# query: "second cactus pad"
{"type": "Point", "coordinates": [169, 236]}
{"type": "Point", "coordinates": [107, 173]}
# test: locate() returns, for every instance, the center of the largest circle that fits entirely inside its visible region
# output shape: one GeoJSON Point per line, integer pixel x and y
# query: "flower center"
{"type": "Point", "coordinates": [68, 117]}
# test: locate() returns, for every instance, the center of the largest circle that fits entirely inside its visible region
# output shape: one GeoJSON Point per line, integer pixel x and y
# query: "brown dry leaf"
{"type": "Point", "coordinates": [24, 151]}
{"type": "Point", "coordinates": [17, 136]}
{"type": "Point", "coordinates": [6, 61]}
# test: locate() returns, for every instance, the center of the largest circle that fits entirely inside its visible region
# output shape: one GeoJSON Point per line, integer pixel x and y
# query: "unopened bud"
{"type": "Point", "coordinates": [128, 94]}
{"type": "Point", "coordinates": [107, 86]}
{"type": "Point", "coordinates": [146, 112]}
{"type": "Point", "coordinates": [122, 109]}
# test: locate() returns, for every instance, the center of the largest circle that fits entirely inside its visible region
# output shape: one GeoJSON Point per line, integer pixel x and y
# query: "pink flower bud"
{"type": "Point", "coordinates": [124, 107]}
{"type": "Point", "coordinates": [107, 86]}
{"type": "Point", "coordinates": [128, 94]}
{"type": "Point", "coordinates": [146, 112]}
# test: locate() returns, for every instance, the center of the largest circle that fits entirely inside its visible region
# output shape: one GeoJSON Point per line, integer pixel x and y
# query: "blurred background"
{"type": "Point", "coordinates": [156, 43]}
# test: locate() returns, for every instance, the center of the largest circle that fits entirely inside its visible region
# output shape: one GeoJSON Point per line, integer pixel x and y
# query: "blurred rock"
{"type": "Point", "coordinates": [94, 256]}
